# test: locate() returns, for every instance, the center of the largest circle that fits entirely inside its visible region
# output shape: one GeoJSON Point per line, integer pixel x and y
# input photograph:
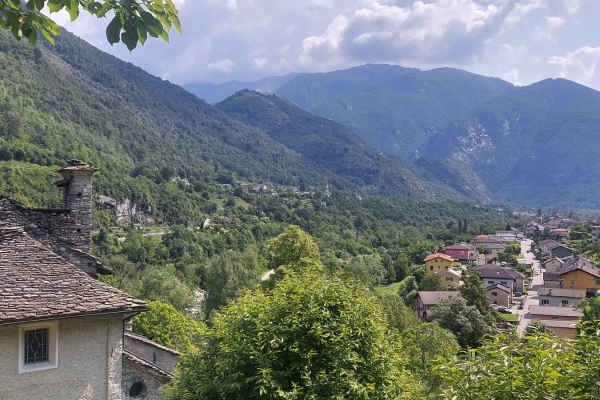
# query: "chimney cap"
{"type": "Point", "coordinates": [77, 165]}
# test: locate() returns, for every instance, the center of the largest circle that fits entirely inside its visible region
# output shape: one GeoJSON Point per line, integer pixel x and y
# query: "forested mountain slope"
{"type": "Point", "coordinates": [331, 146]}
{"type": "Point", "coordinates": [536, 145]}
{"type": "Point", "coordinates": [74, 101]}
{"type": "Point", "coordinates": [395, 115]}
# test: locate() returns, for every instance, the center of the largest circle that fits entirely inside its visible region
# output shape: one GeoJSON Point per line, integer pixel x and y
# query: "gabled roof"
{"type": "Point", "coordinates": [555, 311]}
{"type": "Point", "coordinates": [546, 241]}
{"type": "Point", "coordinates": [449, 271]}
{"type": "Point", "coordinates": [558, 292]}
{"type": "Point", "coordinates": [36, 284]}
{"type": "Point", "coordinates": [551, 276]}
{"type": "Point", "coordinates": [499, 287]}
{"type": "Point", "coordinates": [481, 237]}
{"type": "Point", "coordinates": [460, 246]}
{"type": "Point", "coordinates": [438, 255]}
{"type": "Point", "coordinates": [493, 245]}
{"type": "Point", "coordinates": [555, 323]}
{"type": "Point", "coordinates": [493, 271]}
{"type": "Point", "coordinates": [556, 245]}
{"type": "Point", "coordinates": [434, 297]}
{"type": "Point", "coordinates": [582, 268]}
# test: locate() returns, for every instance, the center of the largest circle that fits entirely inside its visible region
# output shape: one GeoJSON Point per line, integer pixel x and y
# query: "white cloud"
{"type": "Point", "coordinates": [521, 9]}
{"type": "Point", "coordinates": [221, 66]}
{"type": "Point", "coordinates": [512, 76]}
{"type": "Point", "coordinates": [545, 32]}
{"type": "Point", "coordinates": [512, 53]}
{"type": "Point", "coordinates": [436, 32]}
{"type": "Point", "coordinates": [579, 65]}
{"type": "Point", "coordinates": [260, 63]}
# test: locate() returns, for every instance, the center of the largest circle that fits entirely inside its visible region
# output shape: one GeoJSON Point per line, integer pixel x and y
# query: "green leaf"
{"type": "Point", "coordinates": [30, 33]}
{"type": "Point", "coordinates": [142, 33]}
{"type": "Point", "coordinates": [113, 30]}
{"type": "Point", "coordinates": [106, 7]}
{"type": "Point", "coordinates": [130, 35]}
{"type": "Point", "coordinates": [39, 4]}
{"type": "Point", "coordinates": [73, 9]}
{"type": "Point", "coordinates": [55, 5]}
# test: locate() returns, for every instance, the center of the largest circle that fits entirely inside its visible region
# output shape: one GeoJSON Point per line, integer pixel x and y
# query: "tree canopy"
{"type": "Point", "coordinates": [463, 320]}
{"type": "Point", "coordinates": [309, 337]}
{"type": "Point", "coordinates": [133, 20]}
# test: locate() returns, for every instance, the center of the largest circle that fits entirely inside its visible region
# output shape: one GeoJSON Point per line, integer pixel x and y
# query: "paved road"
{"type": "Point", "coordinates": [537, 282]}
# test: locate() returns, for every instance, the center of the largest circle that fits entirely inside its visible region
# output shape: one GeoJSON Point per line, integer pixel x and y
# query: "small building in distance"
{"type": "Point", "coordinates": [580, 277]}
{"type": "Point", "coordinates": [557, 297]}
{"type": "Point", "coordinates": [596, 234]}
{"type": "Point", "coordinates": [461, 251]}
{"type": "Point", "coordinates": [552, 280]}
{"type": "Point", "coordinates": [499, 294]}
{"type": "Point", "coordinates": [561, 320]}
{"type": "Point", "coordinates": [492, 274]}
{"type": "Point", "coordinates": [426, 301]}
{"type": "Point", "coordinates": [450, 277]}
{"type": "Point", "coordinates": [438, 262]}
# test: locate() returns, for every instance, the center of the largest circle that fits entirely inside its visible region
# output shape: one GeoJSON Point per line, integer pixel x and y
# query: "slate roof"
{"type": "Point", "coordinates": [556, 245]}
{"type": "Point", "coordinates": [558, 292]}
{"type": "Point", "coordinates": [493, 271]}
{"type": "Point", "coordinates": [555, 311]}
{"type": "Point", "coordinates": [433, 297]}
{"type": "Point", "coordinates": [551, 276]}
{"type": "Point", "coordinates": [499, 287]}
{"type": "Point", "coordinates": [582, 268]}
{"type": "Point", "coordinates": [438, 255]}
{"type": "Point", "coordinates": [555, 323]}
{"type": "Point", "coordinates": [460, 246]}
{"type": "Point", "coordinates": [36, 284]}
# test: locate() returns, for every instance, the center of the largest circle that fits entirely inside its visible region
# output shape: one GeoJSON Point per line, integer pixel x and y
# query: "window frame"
{"type": "Point", "coordinates": [52, 362]}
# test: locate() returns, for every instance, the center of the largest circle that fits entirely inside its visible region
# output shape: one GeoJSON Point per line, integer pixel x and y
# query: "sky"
{"type": "Point", "coordinates": [521, 41]}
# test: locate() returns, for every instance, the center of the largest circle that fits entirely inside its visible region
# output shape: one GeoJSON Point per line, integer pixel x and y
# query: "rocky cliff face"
{"type": "Point", "coordinates": [128, 212]}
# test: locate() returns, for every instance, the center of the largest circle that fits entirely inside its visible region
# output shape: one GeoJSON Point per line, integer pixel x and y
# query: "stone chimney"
{"type": "Point", "coordinates": [77, 197]}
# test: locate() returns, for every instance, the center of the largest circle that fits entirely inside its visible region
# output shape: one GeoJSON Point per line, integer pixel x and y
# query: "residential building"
{"type": "Point", "coordinates": [438, 262]}
{"type": "Point", "coordinates": [499, 294]}
{"type": "Point", "coordinates": [580, 277]}
{"type": "Point", "coordinates": [493, 249]}
{"type": "Point", "coordinates": [557, 297]}
{"type": "Point", "coordinates": [552, 280]}
{"type": "Point", "coordinates": [426, 301]}
{"type": "Point", "coordinates": [533, 227]}
{"type": "Point", "coordinates": [492, 274]}
{"type": "Point", "coordinates": [461, 251]}
{"type": "Point", "coordinates": [558, 250]}
{"type": "Point", "coordinates": [561, 320]}
{"type": "Point", "coordinates": [64, 334]}
{"type": "Point", "coordinates": [560, 234]}
{"type": "Point", "coordinates": [450, 277]}
{"type": "Point", "coordinates": [552, 264]}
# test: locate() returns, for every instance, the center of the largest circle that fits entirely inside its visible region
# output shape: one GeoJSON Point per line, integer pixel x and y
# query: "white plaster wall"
{"type": "Point", "coordinates": [89, 362]}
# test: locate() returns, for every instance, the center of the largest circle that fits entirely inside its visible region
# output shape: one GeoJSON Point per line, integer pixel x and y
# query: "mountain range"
{"type": "Point", "coordinates": [483, 137]}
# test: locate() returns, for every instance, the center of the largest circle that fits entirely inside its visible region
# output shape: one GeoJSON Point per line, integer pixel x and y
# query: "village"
{"type": "Point", "coordinates": [548, 282]}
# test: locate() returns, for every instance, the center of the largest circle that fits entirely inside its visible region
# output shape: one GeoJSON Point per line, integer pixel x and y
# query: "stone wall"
{"type": "Point", "coordinates": [89, 362]}
{"type": "Point", "coordinates": [137, 372]}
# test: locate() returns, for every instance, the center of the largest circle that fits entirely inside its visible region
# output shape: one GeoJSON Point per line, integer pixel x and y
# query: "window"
{"type": "Point", "coordinates": [597, 280]}
{"type": "Point", "coordinates": [494, 293]}
{"type": "Point", "coordinates": [431, 268]}
{"type": "Point", "coordinates": [38, 346]}
{"type": "Point", "coordinates": [490, 282]}
{"type": "Point", "coordinates": [544, 302]}
{"type": "Point", "coordinates": [448, 278]}
{"type": "Point", "coordinates": [564, 302]}
{"type": "Point", "coordinates": [503, 283]}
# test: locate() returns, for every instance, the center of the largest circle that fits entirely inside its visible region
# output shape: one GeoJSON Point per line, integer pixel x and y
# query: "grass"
{"type": "Point", "coordinates": [510, 317]}
{"type": "Point", "coordinates": [391, 290]}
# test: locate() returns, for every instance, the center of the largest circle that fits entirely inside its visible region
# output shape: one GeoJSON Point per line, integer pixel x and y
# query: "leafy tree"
{"type": "Point", "coordinates": [537, 327]}
{"type": "Point", "coordinates": [590, 308]}
{"type": "Point", "coordinates": [167, 326]}
{"type": "Point", "coordinates": [408, 290]}
{"type": "Point", "coordinates": [367, 268]}
{"type": "Point", "coordinates": [401, 267]}
{"type": "Point", "coordinates": [161, 284]}
{"type": "Point", "coordinates": [307, 338]}
{"type": "Point", "coordinates": [423, 344]}
{"type": "Point", "coordinates": [289, 248]}
{"type": "Point", "coordinates": [399, 316]}
{"type": "Point", "coordinates": [474, 293]}
{"type": "Point", "coordinates": [431, 282]}
{"type": "Point", "coordinates": [464, 321]}
{"type": "Point", "coordinates": [133, 20]}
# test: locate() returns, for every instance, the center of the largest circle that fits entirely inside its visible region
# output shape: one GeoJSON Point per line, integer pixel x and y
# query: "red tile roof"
{"type": "Point", "coordinates": [438, 255]}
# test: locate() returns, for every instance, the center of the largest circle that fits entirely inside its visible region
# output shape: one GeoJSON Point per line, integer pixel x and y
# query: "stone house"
{"type": "Point", "coordinates": [426, 301]}
{"type": "Point", "coordinates": [561, 320]}
{"type": "Point", "coordinates": [64, 334]}
{"type": "Point", "coordinates": [450, 277]}
{"type": "Point", "coordinates": [552, 280]}
{"type": "Point", "coordinates": [557, 297]}
{"type": "Point", "coordinates": [552, 264]}
{"type": "Point", "coordinates": [438, 262]}
{"type": "Point", "coordinates": [499, 294]}
{"type": "Point", "coordinates": [533, 227]}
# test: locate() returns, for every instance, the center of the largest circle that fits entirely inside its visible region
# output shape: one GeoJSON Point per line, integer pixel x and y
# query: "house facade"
{"type": "Point", "coordinates": [492, 274]}
{"type": "Point", "coordinates": [596, 234]}
{"type": "Point", "coordinates": [461, 251]}
{"type": "Point", "coordinates": [558, 297]}
{"type": "Point", "coordinates": [580, 277]}
{"type": "Point", "coordinates": [62, 332]}
{"type": "Point", "coordinates": [553, 264]}
{"type": "Point", "coordinates": [450, 277]}
{"type": "Point", "coordinates": [438, 262]}
{"type": "Point", "coordinates": [426, 300]}
{"type": "Point", "coordinates": [561, 320]}
{"type": "Point", "coordinates": [499, 294]}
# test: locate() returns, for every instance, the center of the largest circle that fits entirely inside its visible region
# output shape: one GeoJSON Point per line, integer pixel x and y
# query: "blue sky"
{"type": "Point", "coordinates": [521, 41]}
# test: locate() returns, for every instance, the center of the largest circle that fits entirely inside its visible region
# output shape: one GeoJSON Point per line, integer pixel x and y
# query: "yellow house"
{"type": "Point", "coordinates": [450, 277]}
{"type": "Point", "coordinates": [438, 262]}
{"type": "Point", "coordinates": [580, 277]}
